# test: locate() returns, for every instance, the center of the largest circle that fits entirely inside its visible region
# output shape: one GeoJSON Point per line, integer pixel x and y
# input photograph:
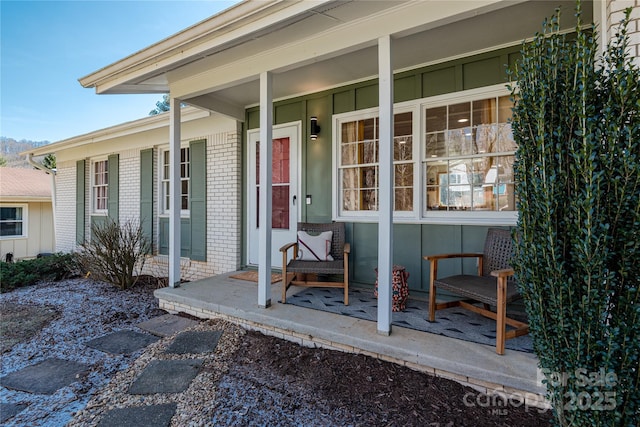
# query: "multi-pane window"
{"type": "Point", "coordinates": [12, 221]}
{"type": "Point", "coordinates": [184, 180]}
{"type": "Point", "coordinates": [100, 186]}
{"type": "Point", "coordinates": [468, 156]}
{"type": "Point", "coordinates": [359, 163]}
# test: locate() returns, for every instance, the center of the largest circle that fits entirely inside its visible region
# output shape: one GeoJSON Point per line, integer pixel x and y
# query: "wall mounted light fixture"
{"type": "Point", "coordinates": [314, 128]}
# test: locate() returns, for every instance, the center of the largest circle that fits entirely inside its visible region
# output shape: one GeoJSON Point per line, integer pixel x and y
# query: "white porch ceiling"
{"type": "Point", "coordinates": [224, 77]}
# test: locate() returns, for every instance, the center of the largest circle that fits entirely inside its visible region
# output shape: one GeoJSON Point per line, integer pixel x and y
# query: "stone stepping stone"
{"type": "Point", "coordinates": [166, 376]}
{"type": "Point", "coordinates": [45, 377]}
{"type": "Point", "coordinates": [140, 416]}
{"type": "Point", "coordinates": [122, 342]}
{"type": "Point", "coordinates": [10, 410]}
{"type": "Point", "coordinates": [193, 342]}
{"type": "Point", "coordinates": [167, 325]}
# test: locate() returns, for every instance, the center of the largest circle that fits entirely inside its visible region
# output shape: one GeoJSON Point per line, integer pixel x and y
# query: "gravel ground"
{"type": "Point", "coordinates": [250, 380]}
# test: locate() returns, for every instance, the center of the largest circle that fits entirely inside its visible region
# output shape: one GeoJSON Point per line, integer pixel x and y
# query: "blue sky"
{"type": "Point", "coordinates": [46, 46]}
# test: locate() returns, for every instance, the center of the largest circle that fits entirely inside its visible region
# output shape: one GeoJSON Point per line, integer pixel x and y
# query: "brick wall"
{"type": "Point", "coordinates": [65, 215]}
{"type": "Point", "coordinates": [129, 192]}
{"type": "Point", "coordinates": [224, 212]}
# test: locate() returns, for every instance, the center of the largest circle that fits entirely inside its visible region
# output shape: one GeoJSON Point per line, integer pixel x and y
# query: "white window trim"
{"type": "Point", "coordinates": [94, 211]}
{"type": "Point", "coordinates": [25, 220]}
{"type": "Point", "coordinates": [419, 214]}
{"type": "Point", "coordinates": [165, 213]}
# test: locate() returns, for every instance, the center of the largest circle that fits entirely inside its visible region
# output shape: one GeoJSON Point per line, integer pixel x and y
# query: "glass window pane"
{"type": "Point", "coordinates": [370, 152]}
{"type": "Point", "coordinates": [280, 213]}
{"type": "Point", "coordinates": [436, 119]}
{"type": "Point", "coordinates": [10, 213]}
{"type": "Point", "coordinates": [505, 107]}
{"type": "Point", "coordinates": [404, 175]}
{"type": "Point", "coordinates": [280, 161]}
{"type": "Point", "coordinates": [368, 129]}
{"type": "Point", "coordinates": [403, 148]}
{"type": "Point", "coordinates": [368, 200]}
{"type": "Point", "coordinates": [459, 115]}
{"type": "Point", "coordinates": [349, 178]}
{"type": "Point", "coordinates": [484, 111]}
{"type": "Point", "coordinates": [349, 154]}
{"type": "Point", "coordinates": [349, 132]}
{"type": "Point", "coordinates": [403, 199]}
{"type": "Point", "coordinates": [436, 145]}
{"type": "Point", "coordinates": [10, 229]}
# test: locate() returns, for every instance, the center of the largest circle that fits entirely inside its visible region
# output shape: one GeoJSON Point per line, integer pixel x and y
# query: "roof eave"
{"type": "Point", "coordinates": [235, 22]}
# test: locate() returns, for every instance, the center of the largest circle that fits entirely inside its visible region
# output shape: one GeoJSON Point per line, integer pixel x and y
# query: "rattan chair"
{"type": "Point", "coordinates": [493, 286]}
{"type": "Point", "coordinates": [305, 273]}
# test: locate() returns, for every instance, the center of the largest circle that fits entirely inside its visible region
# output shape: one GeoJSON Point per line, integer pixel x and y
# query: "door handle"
{"type": "Point", "coordinates": [294, 200]}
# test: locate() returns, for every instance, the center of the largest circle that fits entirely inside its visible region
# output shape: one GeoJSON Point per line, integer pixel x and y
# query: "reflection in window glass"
{"type": "Point", "coordinates": [359, 160]}
{"type": "Point", "coordinates": [469, 164]}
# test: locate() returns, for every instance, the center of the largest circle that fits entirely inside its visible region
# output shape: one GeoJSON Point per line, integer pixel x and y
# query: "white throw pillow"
{"type": "Point", "coordinates": [314, 248]}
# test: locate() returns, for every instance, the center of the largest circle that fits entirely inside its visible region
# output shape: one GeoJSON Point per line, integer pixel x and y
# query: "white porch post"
{"type": "Point", "coordinates": [264, 202]}
{"type": "Point", "coordinates": [385, 185]}
{"type": "Point", "coordinates": [174, 193]}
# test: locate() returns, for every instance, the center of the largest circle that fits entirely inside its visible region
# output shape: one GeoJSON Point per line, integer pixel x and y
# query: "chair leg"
{"type": "Point", "coordinates": [284, 278]}
{"type": "Point", "coordinates": [346, 279]}
{"type": "Point", "coordinates": [501, 314]}
{"type": "Point", "coordinates": [432, 291]}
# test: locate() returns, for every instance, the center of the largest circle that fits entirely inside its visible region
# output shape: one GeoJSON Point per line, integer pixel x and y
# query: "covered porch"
{"type": "Point", "coordinates": [475, 365]}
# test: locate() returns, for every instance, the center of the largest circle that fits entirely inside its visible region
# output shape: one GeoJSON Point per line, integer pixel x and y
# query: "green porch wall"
{"type": "Point", "coordinates": [411, 241]}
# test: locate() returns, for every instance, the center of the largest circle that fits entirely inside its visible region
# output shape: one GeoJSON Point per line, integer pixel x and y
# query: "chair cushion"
{"type": "Point", "coordinates": [479, 288]}
{"type": "Point", "coordinates": [314, 248]}
{"type": "Point", "coordinates": [328, 267]}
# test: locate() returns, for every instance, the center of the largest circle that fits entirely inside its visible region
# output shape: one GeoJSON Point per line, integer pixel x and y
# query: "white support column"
{"type": "Point", "coordinates": [265, 202]}
{"type": "Point", "coordinates": [174, 193]}
{"type": "Point", "coordinates": [385, 186]}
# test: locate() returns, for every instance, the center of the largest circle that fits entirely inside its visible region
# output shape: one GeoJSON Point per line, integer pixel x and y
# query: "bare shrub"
{"type": "Point", "coordinates": [115, 253]}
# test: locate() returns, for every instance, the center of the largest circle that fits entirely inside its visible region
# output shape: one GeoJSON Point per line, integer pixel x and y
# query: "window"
{"type": "Point", "coordinates": [453, 158]}
{"type": "Point", "coordinates": [469, 155]}
{"type": "Point", "coordinates": [13, 221]}
{"type": "Point", "coordinates": [100, 186]}
{"type": "Point", "coordinates": [359, 164]}
{"type": "Point", "coordinates": [184, 181]}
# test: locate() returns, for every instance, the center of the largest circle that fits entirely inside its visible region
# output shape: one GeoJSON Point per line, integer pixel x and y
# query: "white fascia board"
{"type": "Point", "coordinates": [232, 24]}
{"type": "Point", "coordinates": [124, 129]}
{"type": "Point", "coordinates": [344, 38]}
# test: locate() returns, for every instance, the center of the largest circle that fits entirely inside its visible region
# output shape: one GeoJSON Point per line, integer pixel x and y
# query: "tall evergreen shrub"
{"type": "Point", "coordinates": [577, 123]}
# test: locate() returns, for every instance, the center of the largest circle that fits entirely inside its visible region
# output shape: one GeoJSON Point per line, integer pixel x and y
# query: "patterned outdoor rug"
{"type": "Point", "coordinates": [453, 322]}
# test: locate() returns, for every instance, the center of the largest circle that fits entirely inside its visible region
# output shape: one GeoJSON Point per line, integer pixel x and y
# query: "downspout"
{"type": "Point", "coordinates": [52, 173]}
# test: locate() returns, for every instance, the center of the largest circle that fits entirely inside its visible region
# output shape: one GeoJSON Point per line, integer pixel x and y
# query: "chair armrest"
{"type": "Point", "coordinates": [503, 273]}
{"type": "Point", "coordinates": [347, 248]}
{"type": "Point", "coordinates": [288, 246]}
{"type": "Point", "coordinates": [445, 256]}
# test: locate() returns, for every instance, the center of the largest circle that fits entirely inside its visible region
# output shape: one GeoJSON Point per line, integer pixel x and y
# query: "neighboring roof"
{"type": "Point", "coordinates": [128, 128]}
{"type": "Point", "coordinates": [18, 184]}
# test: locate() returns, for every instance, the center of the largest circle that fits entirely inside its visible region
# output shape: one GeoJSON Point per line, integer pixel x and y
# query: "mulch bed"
{"type": "Point", "coordinates": [360, 390]}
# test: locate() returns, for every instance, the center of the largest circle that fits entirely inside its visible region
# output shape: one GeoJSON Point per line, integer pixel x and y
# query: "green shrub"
{"type": "Point", "coordinates": [577, 124]}
{"type": "Point", "coordinates": [115, 253]}
{"type": "Point", "coordinates": [28, 272]}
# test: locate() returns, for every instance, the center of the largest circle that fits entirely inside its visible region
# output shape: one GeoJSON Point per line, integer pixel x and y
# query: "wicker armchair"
{"type": "Point", "coordinates": [493, 286]}
{"type": "Point", "coordinates": [305, 273]}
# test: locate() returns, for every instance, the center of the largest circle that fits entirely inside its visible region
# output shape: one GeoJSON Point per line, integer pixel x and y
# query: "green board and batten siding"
{"type": "Point", "coordinates": [411, 241]}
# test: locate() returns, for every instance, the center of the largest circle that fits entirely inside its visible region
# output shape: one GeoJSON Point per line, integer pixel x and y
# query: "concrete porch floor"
{"type": "Point", "coordinates": [475, 365]}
